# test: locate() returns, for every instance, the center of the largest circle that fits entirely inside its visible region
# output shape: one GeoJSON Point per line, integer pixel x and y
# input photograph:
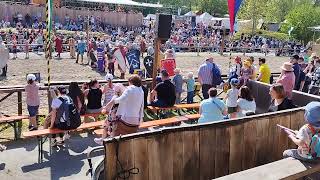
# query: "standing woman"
{"type": "Point", "coordinates": [33, 101]}
{"type": "Point", "coordinates": [94, 97]}
{"type": "Point", "coordinates": [279, 100]}
{"type": "Point", "coordinates": [77, 97]}
{"type": "Point", "coordinates": [287, 79]}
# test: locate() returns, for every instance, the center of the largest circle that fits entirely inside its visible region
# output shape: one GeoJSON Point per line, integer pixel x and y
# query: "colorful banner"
{"type": "Point", "coordinates": [148, 64]}
{"type": "Point", "coordinates": [120, 59]}
{"type": "Point", "coordinates": [233, 6]}
{"type": "Point", "coordinates": [169, 65]}
{"type": "Point", "coordinates": [133, 58]}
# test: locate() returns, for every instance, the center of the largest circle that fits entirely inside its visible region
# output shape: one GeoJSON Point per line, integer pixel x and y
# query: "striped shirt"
{"type": "Point", "coordinates": [205, 73]}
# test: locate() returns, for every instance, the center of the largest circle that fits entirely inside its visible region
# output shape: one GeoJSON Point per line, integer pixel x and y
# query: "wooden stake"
{"type": "Point", "coordinates": [156, 62]}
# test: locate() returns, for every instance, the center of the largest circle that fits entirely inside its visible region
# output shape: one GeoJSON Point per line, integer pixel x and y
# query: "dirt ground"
{"type": "Point", "coordinates": [66, 69]}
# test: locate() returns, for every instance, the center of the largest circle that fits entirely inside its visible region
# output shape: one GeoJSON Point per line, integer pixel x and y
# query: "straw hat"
{"type": "Point", "coordinates": [287, 66]}
{"type": "Point", "coordinates": [247, 63]}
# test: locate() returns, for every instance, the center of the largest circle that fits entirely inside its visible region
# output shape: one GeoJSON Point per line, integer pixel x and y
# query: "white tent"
{"type": "Point", "coordinates": [315, 28]}
{"type": "Point", "coordinates": [150, 16]}
{"type": "Point", "coordinates": [190, 13]}
{"type": "Point", "coordinates": [204, 18]}
{"type": "Point", "coordinates": [125, 2]}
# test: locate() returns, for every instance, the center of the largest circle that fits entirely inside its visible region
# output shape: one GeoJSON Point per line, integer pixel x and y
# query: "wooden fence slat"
{"type": "Point", "coordinates": [274, 137]}
{"type": "Point", "coordinates": [111, 161]}
{"type": "Point", "coordinates": [222, 151]}
{"type": "Point", "coordinates": [177, 154]}
{"type": "Point", "coordinates": [166, 157]}
{"type": "Point", "coordinates": [249, 151]}
{"type": "Point", "coordinates": [191, 155]}
{"type": "Point", "coordinates": [125, 156]}
{"type": "Point", "coordinates": [154, 158]}
{"type": "Point", "coordinates": [140, 150]}
{"type": "Point", "coordinates": [207, 146]}
{"type": "Point", "coordinates": [296, 121]}
{"type": "Point", "coordinates": [236, 148]}
{"type": "Point", "coordinates": [283, 137]}
{"type": "Point", "coordinates": [262, 145]}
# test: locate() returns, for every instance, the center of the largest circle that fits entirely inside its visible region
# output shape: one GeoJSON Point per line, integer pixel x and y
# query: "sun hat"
{"type": "Point", "coordinates": [287, 66]}
{"type": "Point", "coordinates": [31, 77]}
{"type": "Point", "coordinates": [235, 82]}
{"type": "Point", "coordinates": [312, 113]}
{"type": "Point", "coordinates": [108, 77]}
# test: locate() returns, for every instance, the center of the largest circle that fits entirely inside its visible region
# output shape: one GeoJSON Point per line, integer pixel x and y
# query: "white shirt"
{"type": "Point", "coordinates": [232, 97]}
{"type": "Point", "coordinates": [131, 104]}
{"type": "Point", "coordinates": [246, 107]}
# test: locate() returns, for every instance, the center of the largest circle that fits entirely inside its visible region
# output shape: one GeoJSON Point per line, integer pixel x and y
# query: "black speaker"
{"type": "Point", "coordinates": [193, 21]}
{"type": "Point", "coordinates": [163, 26]}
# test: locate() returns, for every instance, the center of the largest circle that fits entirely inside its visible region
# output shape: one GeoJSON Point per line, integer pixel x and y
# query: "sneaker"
{"type": "Point", "coordinates": [98, 141]}
{"type": "Point", "coordinates": [54, 143]}
{"type": "Point", "coordinates": [33, 128]}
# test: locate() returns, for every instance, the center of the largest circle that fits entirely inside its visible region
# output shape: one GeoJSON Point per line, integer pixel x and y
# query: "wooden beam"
{"type": "Point", "coordinates": [6, 96]}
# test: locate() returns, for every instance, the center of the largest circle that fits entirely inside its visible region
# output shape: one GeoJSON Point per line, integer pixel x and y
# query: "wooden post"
{"type": "Point", "coordinates": [222, 41]}
{"type": "Point", "coordinates": [49, 100]}
{"type": "Point", "coordinates": [155, 61]}
{"type": "Point", "coordinates": [19, 103]}
{"type": "Point", "coordinates": [110, 161]}
{"type": "Point", "coordinates": [19, 128]}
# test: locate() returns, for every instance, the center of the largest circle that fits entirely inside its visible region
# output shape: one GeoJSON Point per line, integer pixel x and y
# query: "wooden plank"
{"type": "Point", "coordinates": [262, 145]}
{"type": "Point", "coordinates": [177, 153]}
{"type": "Point", "coordinates": [222, 151]}
{"type": "Point", "coordinates": [273, 139]}
{"type": "Point", "coordinates": [282, 136]}
{"type": "Point", "coordinates": [111, 161]}
{"type": "Point", "coordinates": [236, 148]}
{"type": "Point", "coordinates": [154, 157]}
{"type": "Point", "coordinates": [166, 157]}
{"type": "Point", "coordinates": [140, 150]}
{"type": "Point", "coordinates": [249, 150]}
{"type": "Point", "coordinates": [288, 169]}
{"type": "Point", "coordinates": [191, 155]}
{"type": "Point", "coordinates": [296, 121]}
{"type": "Point", "coordinates": [207, 145]}
{"type": "Point", "coordinates": [125, 156]}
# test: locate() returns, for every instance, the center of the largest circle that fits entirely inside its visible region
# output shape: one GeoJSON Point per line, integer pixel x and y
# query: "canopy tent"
{"type": "Point", "coordinates": [190, 13]}
{"type": "Point", "coordinates": [204, 18]}
{"type": "Point", "coordinates": [150, 16]}
{"type": "Point", "coordinates": [125, 2]}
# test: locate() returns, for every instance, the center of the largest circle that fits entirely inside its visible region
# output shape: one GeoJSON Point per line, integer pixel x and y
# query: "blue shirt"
{"type": "Point", "coordinates": [211, 110]}
{"type": "Point", "coordinates": [178, 82]}
{"type": "Point", "coordinates": [190, 85]}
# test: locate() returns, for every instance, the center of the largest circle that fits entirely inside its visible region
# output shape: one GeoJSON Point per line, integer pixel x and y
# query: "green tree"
{"type": "Point", "coordinates": [213, 6]}
{"type": "Point", "coordinates": [300, 18]}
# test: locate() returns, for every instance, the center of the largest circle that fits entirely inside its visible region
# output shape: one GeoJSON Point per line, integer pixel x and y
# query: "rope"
{"type": "Point", "coordinates": [124, 173]}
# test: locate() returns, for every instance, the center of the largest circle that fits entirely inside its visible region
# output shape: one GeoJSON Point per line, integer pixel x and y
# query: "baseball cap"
{"type": "Point", "coordinates": [312, 113]}
{"type": "Point", "coordinates": [235, 82]}
{"type": "Point", "coordinates": [108, 77]}
{"type": "Point", "coordinates": [31, 77]}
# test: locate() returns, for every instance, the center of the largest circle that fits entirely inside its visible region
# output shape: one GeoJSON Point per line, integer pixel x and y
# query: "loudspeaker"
{"type": "Point", "coordinates": [193, 21]}
{"type": "Point", "coordinates": [163, 26]}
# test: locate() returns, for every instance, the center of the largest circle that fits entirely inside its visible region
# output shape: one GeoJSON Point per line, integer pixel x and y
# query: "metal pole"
{"type": "Point", "coordinates": [253, 17]}
{"type": "Point", "coordinates": [155, 62]}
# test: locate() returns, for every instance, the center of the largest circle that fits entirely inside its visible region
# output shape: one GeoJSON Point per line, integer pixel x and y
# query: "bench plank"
{"type": "Point", "coordinates": [177, 106]}
{"type": "Point", "coordinates": [12, 118]}
{"type": "Point", "coordinates": [288, 168]}
{"type": "Point", "coordinates": [44, 132]}
{"type": "Point", "coordinates": [192, 116]}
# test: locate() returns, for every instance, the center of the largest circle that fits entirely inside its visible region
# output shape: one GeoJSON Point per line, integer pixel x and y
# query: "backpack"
{"type": "Point", "coordinates": [68, 116]}
{"type": "Point", "coordinates": [216, 75]}
{"type": "Point", "coordinates": [314, 147]}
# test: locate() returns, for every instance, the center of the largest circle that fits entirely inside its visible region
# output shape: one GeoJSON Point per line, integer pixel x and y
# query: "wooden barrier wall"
{"type": "Point", "coordinates": [203, 151]}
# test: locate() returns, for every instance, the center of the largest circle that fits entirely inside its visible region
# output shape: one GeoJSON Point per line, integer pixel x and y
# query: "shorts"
{"type": "Point", "coordinates": [232, 110]}
{"type": "Point", "coordinates": [33, 110]}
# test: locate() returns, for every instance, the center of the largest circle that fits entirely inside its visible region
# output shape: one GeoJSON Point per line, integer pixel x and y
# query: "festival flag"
{"type": "Point", "coordinates": [233, 6]}
{"type": "Point", "coordinates": [148, 64]}
{"type": "Point", "coordinates": [133, 58]}
{"type": "Point", "coordinates": [120, 58]}
{"type": "Point", "coordinates": [169, 65]}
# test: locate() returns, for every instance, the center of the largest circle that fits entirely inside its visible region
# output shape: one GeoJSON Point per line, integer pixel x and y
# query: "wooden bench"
{"type": "Point", "coordinates": [12, 121]}
{"type": "Point", "coordinates": [43, 134]}
{"type": "Point", "coordinates": [162, 122]}
{"type": "Point", "coordinates": [178, 107]}
{"type": "Point", "coordinates": [288, 169]}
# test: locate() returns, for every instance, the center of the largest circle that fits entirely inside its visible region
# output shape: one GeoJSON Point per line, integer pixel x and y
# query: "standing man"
{"type": "Point", "coordinates": [4, 57]}
{"type": "Point", "coordinates": [264, 71]}
{"type": "Point", "coordinates": [58, 43]}
{"type": "Point", "coordinates": [297, 71]}
{"type": "Point", "coordinates": [72, 46]}
{"type": "Point", "coordinates": [205, 76]}
{"type": "Point", "coordinates": [81, 49]}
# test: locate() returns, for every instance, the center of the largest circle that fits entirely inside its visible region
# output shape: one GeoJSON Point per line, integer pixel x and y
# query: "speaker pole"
{"type": "Point", "coordinates": [156, 62]}
{"type": "Point", "coordinates": [222, 43]}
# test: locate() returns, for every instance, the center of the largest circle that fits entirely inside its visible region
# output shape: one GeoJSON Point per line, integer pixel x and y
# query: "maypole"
{"type": "Point", "coordinates": [48, 37]}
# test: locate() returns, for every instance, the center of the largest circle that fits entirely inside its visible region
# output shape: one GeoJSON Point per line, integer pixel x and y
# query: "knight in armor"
{"type": "Point", "coordinates": [4, 57]}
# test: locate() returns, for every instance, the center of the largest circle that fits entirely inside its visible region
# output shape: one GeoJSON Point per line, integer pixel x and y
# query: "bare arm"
{"type": "Point", "coordinates": [53, 117]}
{"type": "Point", "coordinates": [153, 95]}
{"type": "Point", "coordinates": [297, 141]}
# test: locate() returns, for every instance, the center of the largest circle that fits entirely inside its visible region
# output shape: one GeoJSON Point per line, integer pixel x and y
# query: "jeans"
{"type": "Point", "coordinates": [205, 89]}
{"type": "Point", "coordinates": [190, 97]}
{"type": "Point", "coordinates": [178, 98]}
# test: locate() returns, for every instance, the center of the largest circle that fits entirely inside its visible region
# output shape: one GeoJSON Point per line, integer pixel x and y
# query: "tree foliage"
{"type": "Point", "coordinates": [300, 18]}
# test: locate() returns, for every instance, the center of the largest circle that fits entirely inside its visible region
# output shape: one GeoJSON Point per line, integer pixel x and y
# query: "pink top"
{"type": "Point", "coordinates": [287, 80]}
{"type": "Point", "coordinates": [32, 91]}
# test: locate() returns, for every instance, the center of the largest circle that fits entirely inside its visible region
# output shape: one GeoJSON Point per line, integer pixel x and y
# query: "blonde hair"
{"type": "Point", "coordinates": [190, 75]}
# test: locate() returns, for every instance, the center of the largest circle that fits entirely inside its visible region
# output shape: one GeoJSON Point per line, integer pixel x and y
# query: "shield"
{"type": "Point", "coordinates": [4, 56]}
{"type": "Point", "coordinates": [148, 64]}
{"type": "Point", "coordinates": [120, 59]}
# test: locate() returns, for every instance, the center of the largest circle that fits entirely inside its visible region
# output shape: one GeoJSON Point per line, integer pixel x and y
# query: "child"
{"type": "Point", "coordinates": [232, 97]}
{"type": "Point", "coordinates": [14, 47]}
{"type": "Point", "coordinates": [303, 137]}
{"type": "Point", "coordinates": [33, 101]}
{"type": "Point", "coordinates": [112, 109]}
{"type": "Point", "coordinates": [246, 72]}
{"type": "Point", "coordinates": [178, 82]}
{"type": "Point", "coordinates": [108, 89]}
{"type": "Point", "coordinates": [235, 70]}
{"type": "Point", "coordinates": [190, 88]}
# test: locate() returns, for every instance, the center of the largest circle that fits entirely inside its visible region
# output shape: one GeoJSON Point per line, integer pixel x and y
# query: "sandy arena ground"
{"type": "Point", "coordinates": [66, 69]}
